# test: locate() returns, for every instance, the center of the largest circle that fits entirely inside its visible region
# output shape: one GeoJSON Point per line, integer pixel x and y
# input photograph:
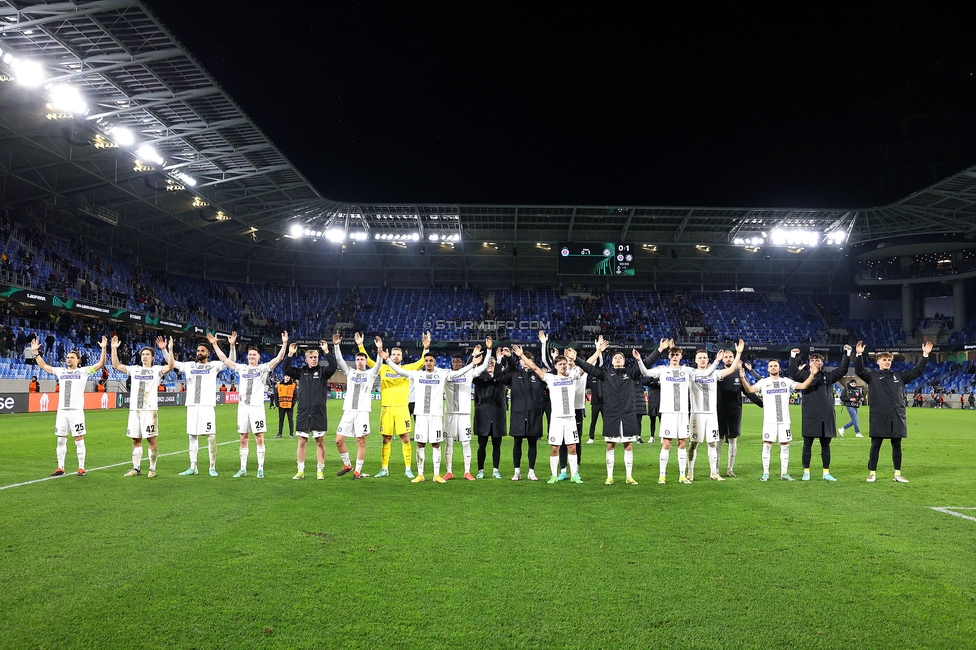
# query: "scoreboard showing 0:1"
{"type": "Point", "coordinates": [595, 258]}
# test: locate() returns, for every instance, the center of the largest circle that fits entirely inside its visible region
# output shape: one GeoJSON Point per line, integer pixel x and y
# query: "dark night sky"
{"type": "Point", "coordinates": [741, 105]}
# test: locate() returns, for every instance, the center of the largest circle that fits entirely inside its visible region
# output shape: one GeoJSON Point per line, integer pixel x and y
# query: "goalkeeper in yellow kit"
{"type": "Point", "coordinates": [395, 393]}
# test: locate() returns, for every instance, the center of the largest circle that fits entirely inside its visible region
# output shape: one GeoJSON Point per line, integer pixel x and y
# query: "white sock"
{"type": "Point", "coordinates": [212, 448]}
{"type": "Point", "coordinates": [765, 457]}
{"type": "Point", "coordinates": [437, 461]}
{"type": "Point", "coordinates": [449, 454]}
{"type": "Point", "coordinates": [194, 451]}
{"type": "Point", "coordinates": [682, 461]}
{"type": "Point", "coordinates": [359, 466]}
{"type": "Point", "coordinates": [319, 467]}
{"type": "Point", "coordinates": [629, 461]}
{"type": "Point", "coordinates": [665, 457]}
{"type": "Point", "coordinates": [62, 450]}
{"type": "Point", "coordinates": [421, 459]}
{"type": "Point", "coordinates": [718, 453]}
{"type": "Point", "coordinates": [261, 449]}
{"type": "Point", "coordinates": [466, 451]}
{"type": "Point", "coordinates": [80, 450]}
{"type": "Point", "coordinates": [153, 454]}
{"type": "Point", "coordinates": [554, 464]}
{"type": "Point", "coordinates": [244, 452]}
{"type": "Point", "coordinates": [345, 459]}
{"type": "Point", "coordinates": [784, 458]}
{"type": "Point", "coordinates": [713, 457]}
{"type": "Point", "coordinates": [610, 459]}
{"type": "Point", "coordinates": [733, 448]}
{"type": "Point", "coordinates": [301, 467]}
{"type": "Point", "coordinates": [136, 457]}
{"type": "Point", "coordinates": [573, 465]}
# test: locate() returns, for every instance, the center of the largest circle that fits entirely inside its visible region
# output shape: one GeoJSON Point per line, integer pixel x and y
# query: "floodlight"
{"type": "Point", "coordinates": [359, 236]}
{"type": "Point", "coordinates": [296, 230]}
{"type": "Point", "coordinates": [147, 153]}
{"type": "Point", "coordinates": [415, 236]}
{"type": "Point", "coordinates": [433, 237]}
{"type": "Point", "coordinates": [186, 178]}
{"type": "Point", "coordinates": [778, 237]}
{"type": "Point", "coordinates": [68, 99]}
{"type": "Point", "coordinates": [123, 136]}
{"type": "Point", "coordinates": [28, 73]}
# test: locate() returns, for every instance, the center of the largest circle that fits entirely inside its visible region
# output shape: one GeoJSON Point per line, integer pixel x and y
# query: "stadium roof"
{"type": "Point", "coordinates": [222, 200]}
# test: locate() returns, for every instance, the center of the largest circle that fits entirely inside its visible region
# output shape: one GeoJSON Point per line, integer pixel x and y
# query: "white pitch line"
{"type": "Point", "coordinates": [955, 514]}
{"type": "Point", "coordinates": [95, 469]}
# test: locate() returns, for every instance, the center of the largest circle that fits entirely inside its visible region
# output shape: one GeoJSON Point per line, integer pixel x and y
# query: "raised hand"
{"type": "Point", "coordinates": [801, 367]}
{"type": "Point", "coordinates": [115, 342]}
{"type": "Point", "coordinates": [336, 338]}
{"type": "Point", "coordinates": [378, 342]}
{"type": "Point", "coordinates": [848, 349]}
{"type": "Point", "coordinates": [506, 352]}
{"type": "Point", "coordinates": [571, 354]}
{"type": "Point", "coordinates": [488, 342]}
{"type": "Point", "coordinates": [284, 338]}
{"type": "Point", "coordinates": [860, 347]}
{"type": "Point", "coordinates": [602, 344]}
{"type": "Point", "coordinates": [324, 345]}
{"type": "Point", "coordinates": [103, 343]}
{"type": "Point", "coordinates": [358, 338]}
{"type": "Point", "coordinates": [383, 354]}
{"type": "Point", "coordinates": [926, 347]}
{"type": "Point", "coordinates": [477, 350]}
{"type": "Point", "coordinates": [542, 337]}
{"type": "Point", "coordinates": [664, 345]}
{"type": "Point", "coordinates": [425, 339]}
{"type": "Point", "coordinates": [517, 349]}
{"type": "Point", "coordinates": [795, 351]}
{"type": "Point", "coordinates": [35, 346]}
{"type": "Point", "coordinates": [292, 349]}
{"type": "Point", "coordinates": [232, 339]}
{"type": "Point", "coordinates": [210, 337]}
{"type": "Point", "coordinates": [740, 346]}
{"type": "Point", "coordinates": [160, 343]}
{"type": "Point", "coordinates": [635, 354]}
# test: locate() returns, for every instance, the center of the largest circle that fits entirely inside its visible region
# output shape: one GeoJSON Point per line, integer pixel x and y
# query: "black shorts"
{"type": "Point", "coordinates": [729, 425]}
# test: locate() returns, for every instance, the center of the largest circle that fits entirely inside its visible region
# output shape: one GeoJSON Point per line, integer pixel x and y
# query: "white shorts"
{"type": "Point", "coordinates": [562, 431]}
{"type": "Point", "coordinates": [201, 421]}
{"type": "Point", "coordinates": [704, 427]}
{"type": "Point", "coordinates": [70, 423]}
{"type": "Point", "coordinates": [315, 434]}
{"type": "Point", "coordinates": [143, 424]}
{"type": "Point", "coordinates": [251, 418]}
{"type": "Point", "coordinates": [674, 425]}
{"type": "Point", "coordinates": [457, 426]}
{"type": "Point", "coordinates": [428, 429]}
{"type": "Point", "coordinates": [777, 433]}
{"type": "Point", "coordinates": [354, 424]}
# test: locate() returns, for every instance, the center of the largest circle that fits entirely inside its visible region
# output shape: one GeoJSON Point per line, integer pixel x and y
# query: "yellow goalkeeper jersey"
{"type": "Point", "coordinates": [394, 387]}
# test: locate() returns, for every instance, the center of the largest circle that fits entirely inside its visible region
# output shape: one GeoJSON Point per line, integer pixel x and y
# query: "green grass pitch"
{"type": "Point", "coordinates": [198, 562]}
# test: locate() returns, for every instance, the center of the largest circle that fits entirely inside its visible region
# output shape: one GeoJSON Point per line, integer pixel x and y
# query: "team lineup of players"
{"type": "Point", "coordinates": [699, 404]}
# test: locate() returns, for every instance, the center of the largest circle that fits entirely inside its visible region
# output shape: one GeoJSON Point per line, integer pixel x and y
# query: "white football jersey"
{"type": "Point", "coordinates": [704, 389]}
{"type": "Point", "coordinates": [675, 387]}
{"type": "Point", "coordinates": [201, 381]}
{"type": "Point", "coordinates": [72, 387]}
{"type": "Point", "coordinates": [776, 399]}
{"type": "Point", "coordinates": [458, 388]}
{"type": "Point", "coordinates": [145, 385]}
{"type": "Point", "coordinates": [580, 386]}
{"type": "Point", "coordinates": [562, 395]}
{"type": "Point", "coordinates": [253, 381]}
{"type": "Point", "coordinates": [359, 385]}
{"type": "Point", "coordinates": [428, 388]}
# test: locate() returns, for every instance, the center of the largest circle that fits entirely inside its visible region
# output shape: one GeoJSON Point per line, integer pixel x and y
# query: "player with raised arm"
{"type": "Point", "coordinates": [312, 396]}
{"type": "Point", "coordinates": [676, 383]}
{"type": "Point", "coordinates": [251, 416]}
{"type": "Point", "coordinates": [562, 424]}
{"type": "Point", "coordinates": [201, 398]}
{"type": "Point", "coordinates": [887, 412]}
{"type": "Point", "coordinates": [70, 420]}
{"type": "Point", "coordinates": [143, 403]}
{"type": "Point", "coordinates": [429, 409]}
{"type": "Point", "coordinates": [776, 414]}
{"type": "Point", "coordinates": [819, 415]}
{"type": "Point", "coordinates": [704, 407]}
{"type": "Point", "coordinates": [730, 394]}
{"type": "Point", "coordinates": [357, 404]}
{"type": "Point", "coordinates": [457, 416]}
{"type": "Point", "coordinates": [619, 408]}
{"type": "Point", "coordinates": [394, 412]}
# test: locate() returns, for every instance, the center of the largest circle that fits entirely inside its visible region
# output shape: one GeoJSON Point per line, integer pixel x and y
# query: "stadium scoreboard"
{"type": "Point", "coordinates": [595, 258]}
